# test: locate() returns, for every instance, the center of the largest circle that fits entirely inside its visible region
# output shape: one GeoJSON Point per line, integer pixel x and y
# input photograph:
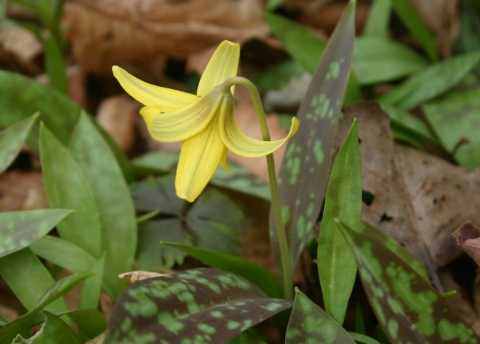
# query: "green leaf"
{"type": "Point", "coordinates": [431, 82]}
{"type": "Point", "coordinates": [239, 179]}
{"type": "Point", "coordinates": [361, 338]}
{"type": "Point", "coordinates": [92, 287]}
{"type": "Point", "coordinates": [12, 140]}
{"type": "Point", "coordinates": [250, 336]}
{"type": "Point", "coordinates": [336, 262]}
{"type": "Point", "coordinates": [378, 19]}
{"type": "Point", "coordinates": [22, 270]}
{"type": "Point", "coordinates": [417, 26]}
{"type": "Point", "coordinates": [406, 120]}
{"type": "Point", "coordinates": [303, 176]}
{"type": "Point", "coordinates": [55, 65]}
{"type": "Point", "coordinates": [274, 4]}
{"type": "Point", "coordinates": [278, 77]}
{"type": "Point", "coordinates": [201, 305]}
{"type": "Point", "coordinates": [255, 273]}
{"type": "Point", "coordinates": [113, 199]}
{"type": "Point", "coordinates": [310, 324]}
{"type": "Point", "coordinates": [455, 120]}
{"type": "Point", "coordinates": [66, 186]}
{"type": "Point", "coordinates": [21, 228]}
{"type": "Point", "coordinates": [468, 39]}
{"type": "Point", "coordinates": [54, 327]}
{"type": "Point", "coordinates": [377, 60]}
{"type": "Point", "coordinates": [407, 307]}
{"type": "Point", "coordinates": [307, 49]}
{"type": "Point", "coordinates": [90, 322]}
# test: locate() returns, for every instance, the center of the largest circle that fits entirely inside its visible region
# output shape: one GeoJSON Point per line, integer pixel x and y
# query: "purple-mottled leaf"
{"type": "Point", "coordinates": [194, 306]}
{"type": "Point", "coordinates": [12, 140]}
{"type": "Point", "coordinates": [304, 172]}
{"type": "Point", "coordinates": [407, 307]}
{"type": "Point", "coordinates": [309, 323]}
{"type": "Point", "coordinates": [336, 263]}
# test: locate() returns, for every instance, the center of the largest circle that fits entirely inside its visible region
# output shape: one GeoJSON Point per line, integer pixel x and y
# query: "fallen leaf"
{"type": "Point", "coordinates": [135, 276]}
{"type": "Point", "coordinates": [22, 191]}
{"type": "Point", "coordinates": [108, 32]}
{"type": "Point", "coordinates": [20, 46]}
{"type": "Point", "coordinates": [468, 237]}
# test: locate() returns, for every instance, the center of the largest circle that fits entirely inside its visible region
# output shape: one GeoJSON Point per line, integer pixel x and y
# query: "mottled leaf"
{"type": "Point", "coordinates": [455, 119]}
{"type": "Point", "coordinates": [21, 270]}
{"type": "Point", "coordinates": [431, 82]}
{"type": "Point", "coordinates": [12, 140]}
{"type": "Point", "coordinates": [304, 172]}
{"type": "Point", "coordinates": [407, 307]}
{"type": "Point", "coordinates": [417, 26]}
{"type": "Point", "coordinates": [336, 264]}
{"type": "Point", "coordinates": [201, 305]}
{"type": "Point", "coordinates": [113, 199]}
{"type": "Point", "coordinates": [55, 329]}
{"type": "Point", "coordinates": [239, 179]}
{"type": "Point", "coordinates": [378, 60]}
{"type": "Point", "coordinates": [378, 19]}
{"type": "Point", "coordinates": [22, 228]}
{"type": "Point", "coordinates": [70, 190]}
{"type": "Point", "coordinates": [310, 324]}
{"type": "Point", "coordinates": [255, 273]}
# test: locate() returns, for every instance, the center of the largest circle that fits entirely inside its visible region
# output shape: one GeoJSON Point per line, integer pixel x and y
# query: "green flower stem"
{"type": "Point", "coordinates": [286, 273]}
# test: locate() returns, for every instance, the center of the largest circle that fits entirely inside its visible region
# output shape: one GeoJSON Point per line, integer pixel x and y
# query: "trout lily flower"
{"type": "Point", "coordinates": [204, 122]}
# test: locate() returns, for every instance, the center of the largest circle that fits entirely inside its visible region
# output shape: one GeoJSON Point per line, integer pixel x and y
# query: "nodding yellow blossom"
{"type": "Point", "coordinates": [204, 122]}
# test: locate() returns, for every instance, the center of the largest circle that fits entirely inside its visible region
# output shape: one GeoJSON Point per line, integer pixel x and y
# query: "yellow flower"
{"type": "Point", "coordinates": [204, 122]}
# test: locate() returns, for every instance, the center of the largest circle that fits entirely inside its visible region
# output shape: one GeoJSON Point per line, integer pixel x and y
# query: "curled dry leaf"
{"type": "Point", "coordinates": [416, 198]}
{"type": "Point", "coordinates": [135, 276]}
{"type": "Point", "coordinates": [108, 32]}
{"type": "Point", "coordinates": [468, 237]}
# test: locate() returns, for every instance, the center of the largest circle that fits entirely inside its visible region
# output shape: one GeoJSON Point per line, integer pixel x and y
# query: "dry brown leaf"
{"type": "Point", "coordinates": [18, 45]}
{"type": "Point", "coordinates": [468, 237]}
{"type": "Point", "coordinates": [419, 199]}
{"type": "Point", "coordinates": [108, 32]}
{"type": "Point", "coordinates": [22, 191]}
{"type": "Point", "coordinates": [135, 276]}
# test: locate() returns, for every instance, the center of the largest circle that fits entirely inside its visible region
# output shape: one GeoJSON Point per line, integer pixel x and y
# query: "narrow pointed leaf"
{"type": "Point", "coordinates": [431, 82]}
{"type": "Point", "coordinates": [22, 270]}
{"type": "Point", "coordinates": [90, 296]}
{"type": "Point", "coordinates": [361, 338]}
{"type": "Point", "coordinates": [407, 307]}
{"type": "Point", "coordinates": [201, 305]}
{"type": "Point", "coordinates": [336, 263]}
{"type": "Point", "coordinates": [22, 228]}
{"type": "Point", "coordinates": [257, 274]}
{"type": "Point", "coordinates": [378, 19]}
{"type": "Point", "coordinates": [304, 172]}
{"type": "Point", "coordinates": [12, 140]}
{"type": "Point", "coordinates": [55, 65]}
{"type": "Point", "coordinates": [310, 324]}
{"type": "Point", "coordinates": [112, 197]}
{"type": "Point", "coordinates": [66, 186]}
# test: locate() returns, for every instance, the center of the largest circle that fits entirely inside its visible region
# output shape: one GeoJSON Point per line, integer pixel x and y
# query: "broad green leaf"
{"type": "Point", "coordinates": [22, 270]}
{"type": "Point", "coordinates": [378, 19]}
{"type": "Point", "coordinates": [378, 60]}
{"type": "Point", "coordinates": [404, 119]}
{"type": "Point", "coordinates": [63, 253]}
{"type": "Point", "coordinates": [402, 134]}
{"type": "Point", "coordinates": [310, 324]}
{"type": "Point", "coordinates": [361, 338]}
{"type": "Point", "coordinates": [407, 307]}
{"type": "Point", "coordinates": [336, 263]}
{"type": "Point", "coordinates": [113, 199]}
{"type": "Point", "coordinates": [212, 222]}
{"type": "Point", "coordinates": [12, 140]}
{"type": "Point", "coordinates": [416, 25]}
{"type": "Point", "coordinates": [66, 186]}
{"type": "Point", "coordinates": [279, 76]}
{"type": "Point", "coordinates": [90, 322]}
{"type": "Point", "coordinates": [307, 49]}
{"type": "Point", "coordinates": [431, 82]}
{"type": "Point", "coordinates": [53, 330]}
{"type": "Point", "coordinates": [255, 273]}
{"type": "Point", "coordinates": [201, 305]}
{"type": "Point", "coordinates": [239, 179]}
{"type": "Point", "coordinates": [55, 65]}
{"type": "Point", "coordinates": [59, 288]}
{"type": "Point", "coordinates": [20, 327]}
{"type": "Point", "coordinates": [455, 119]}
{"type": "Point", "coordinates": [92, 287]}
{"type": "Point", "coordinates": [22, 228]}
{"type": "Point", "coordinates": [303, 176]}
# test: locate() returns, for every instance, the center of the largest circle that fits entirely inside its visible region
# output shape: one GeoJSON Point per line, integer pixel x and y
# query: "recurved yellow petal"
{"type": "Point", "coordinates": [198, 161]}
{"type": "Point", "coordinates": [147, 94]}
{"type": "Point", "coordinates": [181, 124]}
{"type": "Point", "coordinates": [242, 144]}
{"type": "Point", "coordinates": [222, 65]}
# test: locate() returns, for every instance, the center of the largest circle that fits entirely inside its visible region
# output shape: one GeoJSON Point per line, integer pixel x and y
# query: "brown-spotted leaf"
{"type": "Point", "coordinates": [468, 237]}
{"type": "Point", "coordinates": [304, 172]}
{"type": "Point", "coordinates": [194, 306]}
{"type": "Point", "coordinates": [407, 307]}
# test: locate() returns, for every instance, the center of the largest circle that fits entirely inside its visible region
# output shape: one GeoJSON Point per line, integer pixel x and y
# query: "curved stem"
{"type": "Point", "coordinates": [286, 273]}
